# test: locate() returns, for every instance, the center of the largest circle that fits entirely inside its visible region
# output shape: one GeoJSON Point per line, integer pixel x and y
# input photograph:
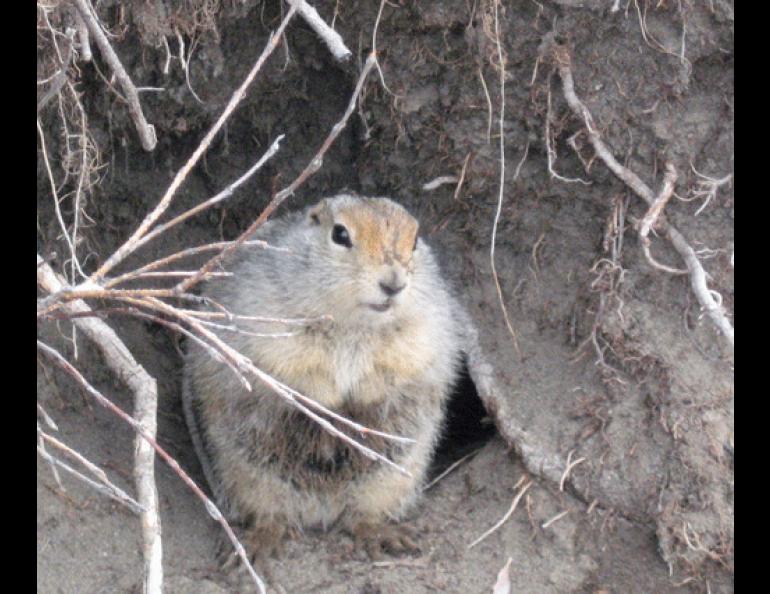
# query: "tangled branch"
{"type": "Point", "coordinates": [163, 306]}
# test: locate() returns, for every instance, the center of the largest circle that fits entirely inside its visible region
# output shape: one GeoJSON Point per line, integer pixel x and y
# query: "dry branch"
{"type": "Point", "coordinates": [550, 150]}
{"type": "Point", "coordinates": [212, 509]}
{"type": "Point", "coordinates": [213, 201]}
{"type": "Point", "coordinates": [450, 469]}
{"type": "Point", "coordinates": [146, 131]}
{"type": "Point", "coordinates": [243, 367]}
{"type": "Point", "coordinates": [67, 301]}
{"type": "Point", "coordinates": [186, 253]}
{"type": "Point", "coordinates": [145, 389]}
{"type": "Point", "coordinates": [439, 181]}
{"type": "Point", "coordinates": [106, 486]}
{"type": "Point", "coordinates": [556, 518]}
{"type": "Point", "coordinates": [310, 169]}
{"type": "Point", "coordinates": [238, 363]}
{"type": "Point", "coordinates": [69, 240]}
{"type": "Point", "coordinates": [131, 244]}
{"type": "Point", "coordinates": [697, 274]}
{"type": "Point", "coordinates": [651, 217]}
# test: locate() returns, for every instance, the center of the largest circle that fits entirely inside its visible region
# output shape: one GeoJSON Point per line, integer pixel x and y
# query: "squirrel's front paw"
{"type": "Point", "coordinates": [376, 538]}
{"type": "Point", "coordinates": [260, 543]}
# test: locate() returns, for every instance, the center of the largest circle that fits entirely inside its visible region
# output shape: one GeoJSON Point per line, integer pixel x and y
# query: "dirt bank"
{"type": "Point", "coordinates": [616, 386]}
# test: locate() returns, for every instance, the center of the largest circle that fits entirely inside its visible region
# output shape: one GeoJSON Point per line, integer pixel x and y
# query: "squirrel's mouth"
{"type": "Point", "coordinates": [381, 306]}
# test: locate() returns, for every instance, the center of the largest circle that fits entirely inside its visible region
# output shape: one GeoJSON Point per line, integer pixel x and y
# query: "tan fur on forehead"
{"type": "Point", "coordinates": [381, 228]}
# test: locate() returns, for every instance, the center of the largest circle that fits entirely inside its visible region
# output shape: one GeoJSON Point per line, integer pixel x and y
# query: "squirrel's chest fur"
{"type": "Point", "coordinates": [335, 365]}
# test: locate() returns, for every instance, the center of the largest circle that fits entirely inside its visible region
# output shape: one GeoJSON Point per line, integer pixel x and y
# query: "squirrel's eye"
{"type": "Point", "coordinates": [341, 236]}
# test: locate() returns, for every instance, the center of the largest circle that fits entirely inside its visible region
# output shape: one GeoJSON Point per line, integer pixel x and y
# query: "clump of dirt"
{"type": "Point", "coordinates": [615, 395]}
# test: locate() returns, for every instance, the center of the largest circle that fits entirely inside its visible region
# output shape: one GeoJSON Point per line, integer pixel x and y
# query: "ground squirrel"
{"type": "Point", "coordinates": [386, 358]}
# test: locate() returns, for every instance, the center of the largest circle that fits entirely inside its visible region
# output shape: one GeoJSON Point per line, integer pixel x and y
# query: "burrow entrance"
{"type": "Point", "coordinates": [468, 425]}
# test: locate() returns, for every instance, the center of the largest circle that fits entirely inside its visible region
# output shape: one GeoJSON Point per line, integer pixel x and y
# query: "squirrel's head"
{"type": "Point", "coordinates": [367, 246]}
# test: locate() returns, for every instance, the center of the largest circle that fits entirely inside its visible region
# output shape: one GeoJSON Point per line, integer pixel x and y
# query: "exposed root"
{"type": "Point", "coordinates": [703, 293]}
{"type": "Point", "coordinates": [706, 189]}
{"type": "Point", "coordinates": [570, 465]}
{"type": "Point", "coordinates": [329, 36]}
{"type": "Point", "coordinates": [501, 187]}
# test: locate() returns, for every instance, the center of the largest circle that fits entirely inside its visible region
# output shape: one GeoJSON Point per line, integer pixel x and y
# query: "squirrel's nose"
{"type": "Point", "coordinates": [392, 288]}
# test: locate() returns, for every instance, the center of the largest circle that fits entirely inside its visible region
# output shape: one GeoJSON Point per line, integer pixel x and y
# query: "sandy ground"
{"type": "Point", "coordinates": [88, 543]}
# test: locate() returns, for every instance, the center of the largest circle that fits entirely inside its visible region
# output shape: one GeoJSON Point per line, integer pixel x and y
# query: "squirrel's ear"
{"type": "Point", "coordinates": [319, 213]}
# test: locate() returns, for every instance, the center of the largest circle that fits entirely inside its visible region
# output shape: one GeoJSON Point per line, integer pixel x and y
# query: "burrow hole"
{"type": "Point", "coordinates": [468, 426]}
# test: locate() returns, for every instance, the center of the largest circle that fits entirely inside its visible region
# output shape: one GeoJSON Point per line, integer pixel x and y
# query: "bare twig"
{"type": "Point", "coordinates": [310, 169]}
{"type": "Point", "coordinates": [459, 187]}
{"type": "Point", "coordinates": [329, 36]}
{"type": "Point", "coordinates": [213, 201]}
{"type": "Point", "coordinates": [374, 48]}
{"type": "Point", "coordinates": [141, 431]}
{"type": "Point", "coordinates": [178, 274]}
{"type": "Point", "coordinates": [698, 283]}
{"type": "Point", "coordinates": [652, 215]}
{"type": "Point", "coordinates": [146, 131]}
{"type": "Point", "coordinates": [130, 245]}
{"type": "Point", "coordinates": [81, 180]}
{"type": "Point", "coordinates": [86, 290]}
{"type": "Point", "coordinates": [46, 456]}
{"type": "Point", "coordinates": [645, 242]}
{"type": "Point", "coordinates": [47, 418]}
{"type": "Point", "coordinates": [268, 320]}
{"type": "Point", "coordinates": [106, 486]}
{"type": "Point", "coordinates": [243, 367]}
{"type": "Point", "coordinates": [209, 247]}
{"type": "Point", "coordinates": [700, 287]}
{"type": "Point", "coordinates": [144, 387]}
{"type": "Point", "coordinates": [508, 514]}
{"type": "Point", "coordinates": [239, 364]}
{"type": "Point", "coordinates": [494, 239]}
{"type": "Point", "coordinates": [451, 468]}
{"type": "Point", "coordinates": [184, 61]}
{"type": "Point", "coordinates": [657, 45]}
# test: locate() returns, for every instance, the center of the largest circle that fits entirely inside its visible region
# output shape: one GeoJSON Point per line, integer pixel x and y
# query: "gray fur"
{"type": "Point", "coordinates": [391, 370]}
